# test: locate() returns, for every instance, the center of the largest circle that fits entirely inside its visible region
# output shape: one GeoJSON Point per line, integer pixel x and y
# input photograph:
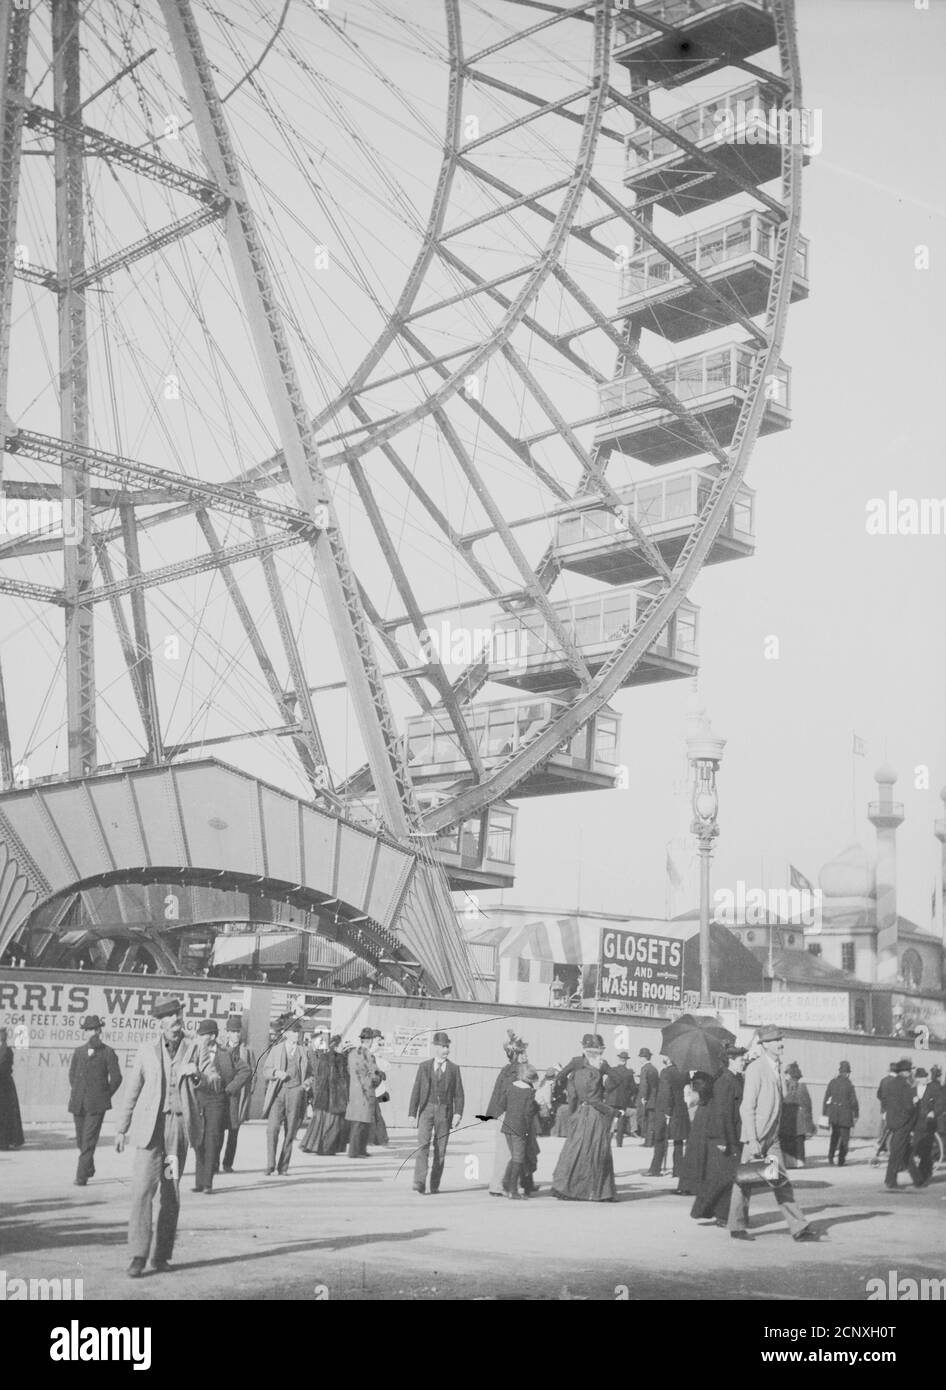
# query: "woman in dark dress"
{"type": "Point", "coordinates": [515, 1049]}
{"type": "Point", "coordinates": [11, 1129]}
{"type": "Point", "coordinates": [328, 1132]}
{"type": "Point", "coordinates": [693, 1170]}
{"type": "Point", "coordinates": [585, 1170]}
{"type": "Point", "coordinates": [723, 1149]}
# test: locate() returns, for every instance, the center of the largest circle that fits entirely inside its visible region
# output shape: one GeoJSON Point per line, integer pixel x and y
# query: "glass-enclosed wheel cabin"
{"type": "Point", "coordinates": [587, 761]}
{"type": "Point", "coordinates": [526, 653]}
{"type": "Point", "coordinates": [736, 257]}
{"type": "Point", "coordinates": [712, 384]}
{"type": "Point", "coordinates": [740, 132]}
{"type": "Point", "coordinates": [707, 35]}
{"type": "Point", "coordinates": [480, 852]}
{"type": "Point", "coordinates": [596, 542]}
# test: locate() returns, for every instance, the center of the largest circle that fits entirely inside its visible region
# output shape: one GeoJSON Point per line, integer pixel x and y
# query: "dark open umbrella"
{"type": "Point", "coordinates": [695, 1042]}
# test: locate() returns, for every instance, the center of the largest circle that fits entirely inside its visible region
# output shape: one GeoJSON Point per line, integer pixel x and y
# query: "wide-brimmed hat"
{"type": "Point", "coordinates": [770, 1032]}
{"type": "Point", "coordinates": [93, 1021]}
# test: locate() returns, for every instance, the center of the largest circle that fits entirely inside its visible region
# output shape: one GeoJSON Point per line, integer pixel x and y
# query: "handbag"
{"type": "Point", "coordinates": [760, 1172]}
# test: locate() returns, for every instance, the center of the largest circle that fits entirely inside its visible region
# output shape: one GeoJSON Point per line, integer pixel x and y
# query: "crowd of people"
{"type": "Point", "coordinates": [725, 1132]}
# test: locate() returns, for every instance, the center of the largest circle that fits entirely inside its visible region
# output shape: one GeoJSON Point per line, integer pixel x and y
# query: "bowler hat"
{"type": "Point", "coordinates": [844, 1066]}
{"type": "Point", "coordinates": [645, 1052]}
{"type": "Point", "coordinates": [770, 1032]}
{"type": "Point", "coordinates": [624, 1056]}
{"type": "Point", "coordinates": [93, 1021]}
{"type": "Point", "coordinates": [366, 1033]}
{"type": "Point", "coordinates": [441, 1040]}
{"type": "Point", "coordinates": [592, 1040]}
{"type": "Point", "coordinates": [167, 1007]}
{"type": "Point", "coordinates": [903, 1065]}
{"type": "Point", "coordinates": [921, 1071]}
{"type": "Point", "coordinates": [207, 1028]}
{"type": "Point", "coordinates": [235, 1023]}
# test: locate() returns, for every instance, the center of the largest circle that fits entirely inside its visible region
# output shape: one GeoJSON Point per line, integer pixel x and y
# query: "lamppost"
{"type": "Point", "coordinates": [705, 753]}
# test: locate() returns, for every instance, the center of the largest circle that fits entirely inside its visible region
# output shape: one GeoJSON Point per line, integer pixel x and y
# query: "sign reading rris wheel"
{"type": "Point", "coordinates": [641, 968]}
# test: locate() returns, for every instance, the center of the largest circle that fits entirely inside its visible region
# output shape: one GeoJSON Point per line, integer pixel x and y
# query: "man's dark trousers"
{"type": "Point", "coordinates": [900, 1140]}
{"type": "Point", "coordinates": [660, 1149]}
{"type": "Point", "coordinates": [840, 1134]}
{"type": "Point", "coordinates": [213, 1115]}
{"type": "Point", "coordinates": [433, 1125]}
{"type": "Point", "coordinates": [88, 1128]}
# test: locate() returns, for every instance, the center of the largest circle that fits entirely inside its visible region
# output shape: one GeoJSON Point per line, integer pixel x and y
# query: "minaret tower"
{"type": "Point", "coordinates": [886, 815]}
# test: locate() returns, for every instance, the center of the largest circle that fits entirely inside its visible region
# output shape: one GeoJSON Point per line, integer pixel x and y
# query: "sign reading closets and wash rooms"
{"type": "Point", "coordinates": [641, 968]}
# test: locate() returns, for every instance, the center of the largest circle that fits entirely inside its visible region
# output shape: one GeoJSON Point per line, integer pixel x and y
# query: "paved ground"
{"type": "Point", "coordinates": [338, 1228]}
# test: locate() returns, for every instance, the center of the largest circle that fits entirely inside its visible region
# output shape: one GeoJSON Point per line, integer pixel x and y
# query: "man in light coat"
{"type": "Point", "coordinates": [288, 1074]}
{"type": "Point", "coordinates": [363, 1081]}
{"type": "Point", "coordinates": [158, 1116]}
{"type": "Point", "coordinates": [760, 1113]}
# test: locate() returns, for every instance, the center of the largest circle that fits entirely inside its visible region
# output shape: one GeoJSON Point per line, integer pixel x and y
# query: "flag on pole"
{"type": "Point", "coordinates": [859, 748]}
{"type": "Point", "coordinates": [799, 881]}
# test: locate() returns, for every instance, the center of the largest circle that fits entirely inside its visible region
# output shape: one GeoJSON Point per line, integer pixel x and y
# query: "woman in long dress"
{"type": "Point", "coordinates": [693, 1169]}
{"type": "Point", "coordinates": [11, 1128]}
{"type": "Point", "coordinates": [585, 1170]}
{"type": "Point", "coordinates": [327, 1132]}
{"type": "Point", "coordinates": [805, 1126]}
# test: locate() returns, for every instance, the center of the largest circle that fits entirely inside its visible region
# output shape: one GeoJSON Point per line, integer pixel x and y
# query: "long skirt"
{"type": "Point", "coordinates": [585, 1170]}
{"type": "Point", "coordinates": [378, 1133]}
{"type": "Point", "coordinates": [715, 1191]}
{"type": "Point", "coordinates": [500, 1160]}
{"type": "Point", "coordinates": [694, 1158]}
{"type": "Point", "coordinates": [11, 1128]}
{"type": "Point", "coordinates": [327, 1133]}
{"type": "Point", "coordinates": [563, 1122]}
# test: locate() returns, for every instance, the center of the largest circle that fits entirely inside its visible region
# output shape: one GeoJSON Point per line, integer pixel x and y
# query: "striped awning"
{"type": "Point", "coordinates": [562, 940]}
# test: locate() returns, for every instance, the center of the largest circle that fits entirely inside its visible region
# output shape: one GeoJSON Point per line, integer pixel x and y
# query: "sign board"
{"type": "Point", "coordinates": [820, 1009]}
{"type": "Point", "coordinates": [409, 1042]}
{"type": "Point", "coordinates": [641, 969]}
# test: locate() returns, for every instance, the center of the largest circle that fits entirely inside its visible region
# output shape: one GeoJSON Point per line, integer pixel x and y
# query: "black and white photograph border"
{"type": "Point", "coordinates": [385, 386]}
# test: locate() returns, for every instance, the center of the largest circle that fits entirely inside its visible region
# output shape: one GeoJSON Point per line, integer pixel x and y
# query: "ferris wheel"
{"type": "Point", "coordinates": [376, 380]}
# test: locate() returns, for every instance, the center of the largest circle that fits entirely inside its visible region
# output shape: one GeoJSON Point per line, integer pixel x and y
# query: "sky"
{"type": "Point", "coordinates": [858, 618]}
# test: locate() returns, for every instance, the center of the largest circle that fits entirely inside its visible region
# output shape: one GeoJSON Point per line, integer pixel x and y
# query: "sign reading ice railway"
{"type": "Point", "coordinates": [641, 968]}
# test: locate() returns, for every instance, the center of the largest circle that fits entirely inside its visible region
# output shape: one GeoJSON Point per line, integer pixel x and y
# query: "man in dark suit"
{"type": "Point", "coordinates": [841, 1110]}
{"type": "Point", "coordinates": [621, 1092]}
{"type": "Point", "coordinates": [239, 1102]}
{"type": "Point", "coordinates": [647, 1097]}
{"type": "Point", "coordinates": [923, 1131]}
{"type": "Point", "coordinates": [218, 1079]}
{"type": "Point", "coordinates": [94, 1077]}
{"type": "Point", "coordinates": [887, 1083]}
{"type": "Point", "coordinates": [437, 1098]}
{"type": "Point", "coordinates": [672, 1120]}
{"type": "Point", "coordinates": [899, 1113]}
